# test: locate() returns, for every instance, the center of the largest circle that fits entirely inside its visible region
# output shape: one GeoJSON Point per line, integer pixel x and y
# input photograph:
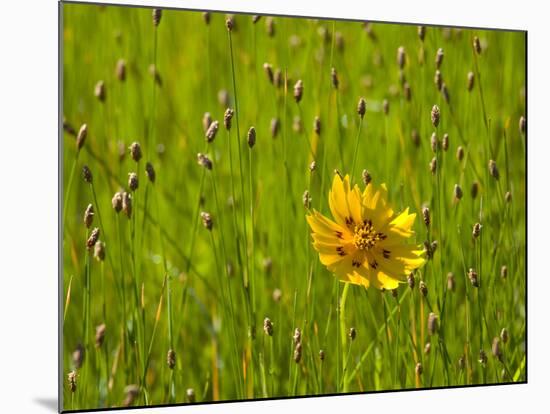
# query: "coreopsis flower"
{"type": "Point", "coordinates": [366, 242]}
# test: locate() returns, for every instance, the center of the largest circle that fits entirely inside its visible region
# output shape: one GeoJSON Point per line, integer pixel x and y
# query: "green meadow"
{"type": "Point", "coordinates": [167, 287]}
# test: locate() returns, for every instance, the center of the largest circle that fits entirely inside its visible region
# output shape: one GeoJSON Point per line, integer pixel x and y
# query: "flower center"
{"type": "Point", "coordinates": [365, 236]}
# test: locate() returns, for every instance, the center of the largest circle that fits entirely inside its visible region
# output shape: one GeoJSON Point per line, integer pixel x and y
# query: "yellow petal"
{"type": "Point", "coordinates": [354, 204]}
{"type": "Point", "coordinates": [321, 224]}
{"type": "Point", "coordinates": [410, 255]}
{"type": "Point", "coordinates": [338, 201]}
{"type": "Point", "coordinates": [401, 225]}
{"type": "Point", "coordinates": [376, 206]}
{"type": "Point", "coordinates": [386, 281]}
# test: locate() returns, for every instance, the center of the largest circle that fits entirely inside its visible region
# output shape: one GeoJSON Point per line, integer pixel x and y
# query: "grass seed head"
{"type": "Point", "coordinates": [117, 202]}
{"type": "Point", "coordinates": [297, 337]}
{"type": "Point", "coordinates": [204, 161]}
{"type": "Point", "coordinates": [298, 353]}
{"type": "Point", "coordinates": [68, 128]}
{"type": "Point", "coordinates": [418, 369]}
{"type": "Point", "coordinates": [256, 18]}
{"type": "Point", "coordinates": [135, 151]}
{"type": "Point", "coordinates": [81, 137]}
{"type": "Point", "coordinates": [99, 91]}
{"type": "Point", "coordinates": [496, 349]}
{"type": "Point", "coordinates": [89, 216]}
{"type": "Point", "coordinates": [270, 26]}
{"type": "Point", "coordinates": [78, 356]}
{"type": "Point", "coordinates": [132, 392]}
{"type": "Point", "coordinates": [267, 264]}
{"type": "Point", "coordinates": [445, 142]}
{"type": "Point", "coordinates": [278, 78]}
{"type": "Point", "coordinates": [207, 220]}
{"type": "Point", "coordinates": [334, 78]}
{"type": "Point", "coordinates": [476, 230]}
{"type": "Point", "coordinates": [427, 348]}
{"type": "Point", "coordinates": [432, 323]}
{"type": "Point", "coordinates": [312, 166]}
{"type": "Point", "coordinates": [100, 335]}
{"type": "Point", "coordinates": [401, 57]}
{"type": "Point", "coordinates": [121, 147]}
{"type": "Point", "coordinates": [426, 216]}
{"type": "Point", "coordinates": [87, 174]}
{"type": "Point", "coordinates": [154, 72]}
{"type": "Point", "coordinates": [71, 378]}
{"type": "Point", "coordinates": [277, 295]}
{"type": "Point", "coordinates": [127, 204]}
{"type": "Point", "coordinates": [366, 176]}
{"type": "Point", "coordinates": [407, 91]}
{"type": "Point", "coordinates": [471, 81]}
{"type": "Point", "coordinates": [206, 121]}
{"type": "Point", "coordinates": [120, 70]}
{"type": "Point", "coordinates": [477, 45]}
{"type": "Point", "coordinates": [433, 166]}
{"type": "Point", "coordinates": [150, 172]}
{"type": "Point", "coordinates": [423, 288]}
{"type": "Point", "coordinates": [190, 393]}
{"type": "Point", "coordinates": [274, 127]}
{"type": "Point", "coordinates": [206, 17]}
{"type": "Point", "coordinates": [321, 355]}
{"type": "Point", "coordinates": [298, 90]}
{"type": "Point", "coordinates": [438, 80]}
{"type": "Point", "coordinates": [421, 32]}
{"type": "Point", "coordinates": [445, 92]}
{"type": "Point", "coordinates": [435, 116]}
{"type": "Point", "coordinates": [171, 358]}
{"type": "Point", "coordinates": [94, 237]}
{"type": "Point", "coordinates": [415, 137]}
{"type": "Point", "coordinates": [459, 153]}
{"type": "Point", "coordinates": [157, 15]}
{"type": "Point", "coordinates": [133, 182]}
{"type": "Point", "coordinates": [268, 69]}
{"type": "Point", "coordinates": [229, 23]}
{"type": "Point", "coordinates": [251, 137]}
{"type": "Point", "coordinates": [268, 327]}
{"type": "Point", "coordinates": [434, 142]}
{"type": "Point", "coordinates": [461, 362]}
{"type": "Point", "coordinates": [411, 281]}
{"type": "Point", "coordinates": [508, 197]}
{"type": "Point", "coordinates": [433, 246]}
{"type": "Point", "coordinates": [352, 333]}
{"type": "Point", "coordinates": [474, 190]}
{"type": "Point", "coordinates": [522, 124]}
{"type": "Point", "coordinates": [457, 191]}
{"type": "Point", "coordinates": [493, 170]}
{"type": "Point", "coordinates": [482, 358]}
{"type": "Point", "coordinates": [451, 284]}
{"type": "Point", "coordinates": [306, 200]}
{"type": "Point", "coordinates": [227, 117]}
{"type": "Point", "coordinates": [472, 275]}
{"type": "Point", "coordinates": [504, 271]}
{"type": "Point", "coordinates": [439, 58]}
{"type": "Point", "coordinates": [361, 107]}
{"type": "Point", "coordinates": [212, 131]}
{"type": "Point", "coordinates": [504, 335]}
{"type": "Point", "coordinates": [317, 125]}
{"type": "Point", "coordinates": [99, 251]}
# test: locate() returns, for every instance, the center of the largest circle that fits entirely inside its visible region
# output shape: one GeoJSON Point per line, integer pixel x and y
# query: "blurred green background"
{"type": "Point", "coordinates": [169, 283]}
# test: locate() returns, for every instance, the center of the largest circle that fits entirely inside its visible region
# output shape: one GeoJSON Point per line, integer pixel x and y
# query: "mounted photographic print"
{"type": "Point", "coordinates": [258, 207]}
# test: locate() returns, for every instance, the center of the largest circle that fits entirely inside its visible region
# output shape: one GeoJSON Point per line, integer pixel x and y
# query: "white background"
{"type": "Point", "coordinates": [28, 203]}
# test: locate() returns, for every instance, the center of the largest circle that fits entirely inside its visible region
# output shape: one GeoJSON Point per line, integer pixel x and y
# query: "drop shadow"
{"type": "Point", "coordinates": [49, 403]}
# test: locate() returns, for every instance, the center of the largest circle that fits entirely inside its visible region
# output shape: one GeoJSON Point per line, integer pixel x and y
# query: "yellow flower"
{"type": "Point", "coordinates": [366, 242]}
